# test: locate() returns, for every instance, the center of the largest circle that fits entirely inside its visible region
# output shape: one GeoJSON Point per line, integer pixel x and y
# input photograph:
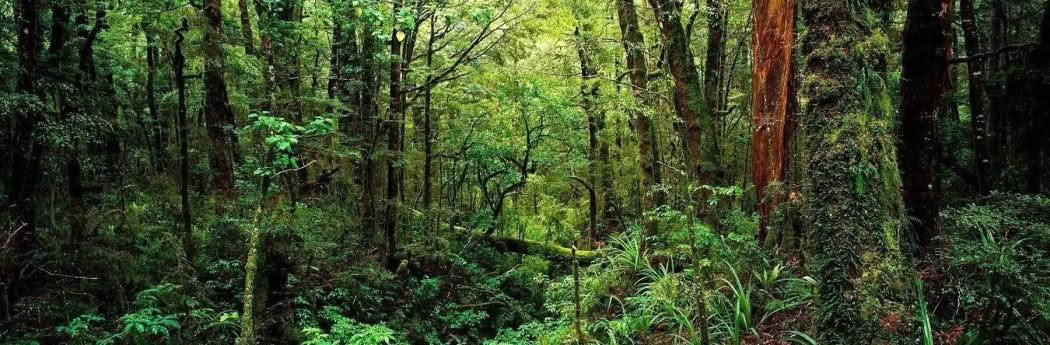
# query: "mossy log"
{"type": "Point", "coordinates": [526, 246]}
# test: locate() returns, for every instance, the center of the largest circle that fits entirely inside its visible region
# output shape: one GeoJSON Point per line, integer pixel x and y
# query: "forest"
{"type": "Point", "coordinates": [505, 172]}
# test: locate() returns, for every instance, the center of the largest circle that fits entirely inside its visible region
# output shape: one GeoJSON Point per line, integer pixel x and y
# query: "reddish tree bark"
{"type": "Point", "coordinates": [773, 102]}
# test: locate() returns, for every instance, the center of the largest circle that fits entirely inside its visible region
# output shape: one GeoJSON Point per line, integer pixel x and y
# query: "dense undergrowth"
{"type": "Point", "coordinates": [989, 284]}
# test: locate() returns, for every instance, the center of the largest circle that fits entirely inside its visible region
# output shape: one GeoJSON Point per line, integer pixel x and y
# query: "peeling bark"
{"type": "Point", "coordinates": [773, 103]}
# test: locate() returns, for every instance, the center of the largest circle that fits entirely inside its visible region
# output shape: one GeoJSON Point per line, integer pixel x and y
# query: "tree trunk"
{"type": "Point", "coordinates": [178, 64]}
{"type": "Point", "coordinates": [393, 127]}
{"type": "Point", "coordinates": [246, 28]}
{"type": "Point", "coordinates": [853, 192]}
{"type": "Point", "coordinates": [428, 131]}
{"type": "Point", "coordinates": [369, 134]}
{"type": "Point", "coordinates": [688, 101]}
{"type": "Point", "coordinates": [713, 69]}
{"type": "Point", "coordinates": [25, 165]}
{"type": "Point", "coordinates": [925, 80]}
{"type": "Point", "coordinates": [588, 101]}
{"type": "Point", "coordinates": [1040, 109]}
{"type": "Point", "coordinates": [998, 108]}
{"type": "Point", "coordinates": [773, 103]}
{"type": "Point", "coordinates": [979, 123]}
{"type": "Point", "coordinates": [217, 106]}
{"type": "Point", "coordinates": [648, 152]}
{"type": "Point", "coordinates": [159, 134]}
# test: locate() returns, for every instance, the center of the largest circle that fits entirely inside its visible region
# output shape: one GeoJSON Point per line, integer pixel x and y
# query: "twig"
{"type": "Point", "coordinates": [1001, 50]}
{"type": "Point", "coordinates": [64, 275]}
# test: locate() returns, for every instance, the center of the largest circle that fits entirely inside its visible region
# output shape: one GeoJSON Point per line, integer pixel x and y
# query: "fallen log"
{"type": "Point", "coordinates": [527, 246]}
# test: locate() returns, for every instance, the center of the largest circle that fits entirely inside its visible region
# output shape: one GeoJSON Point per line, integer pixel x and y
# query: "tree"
{"type": "Point", "coordinates": [178, 64]}
{"type": "Point", "coordinates": [217, 105]}
{"type": "Point", "coordinates": [648, 151]}
{"type": "Point", "coordinates": [925, 80]}
{"type": "Point", "coordinates": [598, 151]}
{"type": "Point", "coordinates": [773, 104]}
{"type": "Point", "coordinates": [246, 27]}
{"type": "Point", "coordinates": [159, 124]}
{"type": "Point", "coordinates": [394, 130]}
{"type": "Point", "coordinates": [853, 190]}
{"type": "Point", "coordinates": [688, 101]}
{"type": "Point", "coordinates": [25, 163]}
{"type": "Point", "coordinates": [978, 121]}
{"type": "Point", "coordinates": [1039, 118]}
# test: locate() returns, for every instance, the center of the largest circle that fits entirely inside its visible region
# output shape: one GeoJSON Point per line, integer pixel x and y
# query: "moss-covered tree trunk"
{"type": "Point", "coordinates": [217, 105]}
{"type": "Point", "coordinates": [773, 103]}
{"type": "Point", "coordinates": [697, 138]}
{"type": "Point", "coordinates": [369, 134]}
{"type": "Point", "coordinates": [597, 152]}
{"type": "Point", "coordinates": [648, 152]}
{"type": "Point", "coordinates": [855, 212]}
{"type": "Point", "coordinates": [246, 27]}
{"type": "Point", "coordinates": [925, 80]}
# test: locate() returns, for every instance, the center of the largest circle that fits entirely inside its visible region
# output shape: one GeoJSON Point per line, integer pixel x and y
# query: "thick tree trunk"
{"type": "Point", "coordinates": [25, 165]}
{"type": "Point", "coordinates": [998, 108]}
{"type": "Point", "coordinates": [217, 105]}
{"type": "Point", "coordinates": [856, 211]}
{"type": "Point", "coordinates": [179, 64]}
{"type": "Point", "coordinates": [925, 80]}
{"type": "Point", "coordinates": [773, 104]}
{"type": "Point", "coordinates": [648, 152]}
{"type": "Point", "coordinates": [688, 101]}
{"type": "Point", "coordinates": [369, 132]}
{"type": "Point", "coordinates": [979, 123]}
{"type": "Point", "coordinates": [1040, 113]}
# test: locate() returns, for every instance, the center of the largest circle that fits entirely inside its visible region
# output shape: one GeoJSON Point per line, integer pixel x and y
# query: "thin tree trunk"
{"type": "Point", "coordinates": [428, 131]}
{"type": "Point", "coordinates": [393, 127]}
{"type": "Point", "coordinates": [159, 139]}
{"type": "Point", "coordinates": [773, 104]}
{"type": "Point", "coordinates": [246, 27]}
{"type": "Point", "coordinates": [588, 100]}
{"type": "Point", "coordinates": [178, 64]}
{"type": "Point", "coordinates": [979, 123]}
{"type": "Point", "coordinates": [648, 151]}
